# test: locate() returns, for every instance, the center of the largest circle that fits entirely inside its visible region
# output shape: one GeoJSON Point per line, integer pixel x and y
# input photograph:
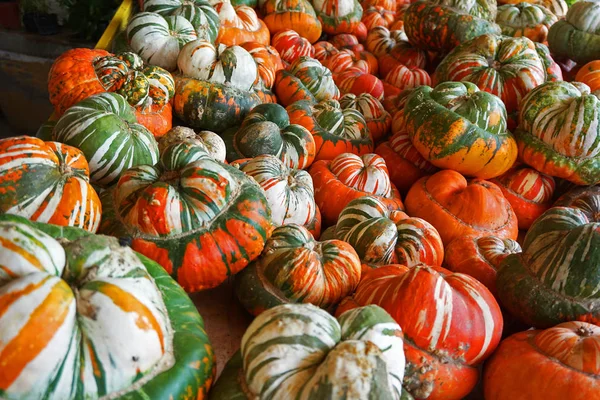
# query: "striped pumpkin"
{"type": "Point", "coordinates": [459, 127]}
{"type": "Point", "coordinates": [556, 7]}
{"type": "Point", "coordinates": [200, 13]}
{"type": "Point", "coordinates": [567, 355]}
{"type": "Point", "coordinates": [479, 256]}
{"type": "Point", "coordinates": [348, 177]}
{"type": "Point", "coordinates": [209, 141]}
{"type": "Point", "coordinates": [555, 279]}
{"type": "Point", "coordinates": [104, 128]}
{"type": "Point", "coordinates": [378, 120]}
{"type": "Point", "coordinates": [431, 305]}
{"type": "Point", "coordinates": [295, 268]}
{"type": "Point", "coordinates": [47, 182]}
{"type": "Point", "coordinates": [290, 45]}
{"type": "Point", "coordinates": [590, 75]}
{"type": "Point", "coordinates": [324, 51]}
{"type": "Point", "coordinates": [239, 25]}
{"type": "Point", "coordinates": [506, 67]}
{"type": "Point", "coordinates": [382, 236]}
{"type": "Point", "coordinates": [486, 9]}
{"type": "Point", "coordinates": [553, 70]}
{"type": "Point", "coordinates": [298, 351]}
{"type": "Point", "coordinates": [85, 317]}
{"type": "Point", "coordinates": [335, 130]}
{"type": "Point", "coordinates": [338, 16]}
{"type": "Point", "coordinates": [525, 19]}
{"type": "Point", "coordinates": [346, 41]}
{"type": "Point", "coordinates": [158, 39]}
{"type": "Point", "coordinates": [374, 16]}
{"type": "Point", "coordinates": [345, 59]}
{"type": "Point", "coordinates": [402, 77]}
{"type": "Point", "coordinates": [200, 219]}
{"type": "Point", "coordinates": [356, 81]}
{"type": "Point", "coordinates": [381, 41]}
{"type": "Point", "coordinates": [528, 191]}
{"type": "Point", "coordinates": [577, 37]}
{"type": "Point", "coordinates": [267, 59]}
{"type": "Point", "coordinates": [298, 15]}
{"type": "Point", "coordinates": [457, 207]}
{"type": "Point", "coordinates": [559, 130]}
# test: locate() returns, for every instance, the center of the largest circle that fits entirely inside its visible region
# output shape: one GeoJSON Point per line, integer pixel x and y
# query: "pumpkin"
{"type": "Point", "coordinates": [577, 36]}
{"type": "Point", "coordinates": [457, 207]}
{"type": "Point", "coordinates": [290, 45]}
{"type": "Point", "coordinates": [525, 19]}
{"type": "Point", "coordinates": [374, 16]}
{"type": "Point", "coordinates": [558, 131]}
{"type": "Point", "coordinates": [240, 24]}
{"type": "Point", "coordinates": [557, 363]}
{"type": "Point", "coordinates": [345, 59]}
{"type": "Point", "coordinates": [431, 305]}
{"type": "Point", "coordinates": [93, 319]}
{"type": "Point", "coordinates": [200, 13]}
{"type": "Point", "coordinates": [382, 236]}
{"type": "Point", "coordinates": [47, 182]}
{"type": "Point", "coordinates": [200, 219]}
{"type": "Point", "coordinates": [405, 164]}
{"type": "Point", "coordinates": [590, 75]}
{"type": "Point", "coordinates": [295, 268]}
{"type": "Point", "coordinates": [324, 51]}
{"type": "Point", "coordinates": [209, 141]}
{"type": "Point", "coordinates": [267, 59]}
{"type": "Point", "coordinates": [347, 41]}
{"type": "Point", "coordinates": [267, 130]}
{"type": "Point", "coordinates": [302, 351]}
{"type": "Point", "coordinates": [403, 53]}
{"type": "Point", "coordinates": [158, 39]}
{"type": "Point", "coordinates": [104, 128]}
{"type": "Point", "coordinates": [378, 120]}
{"type": "Point", "coordinates": [459, 127]}
{"type": "Point", "coordinates": [556, 7]}
{"type": "Point", "coordinates": [395, 106]}
{"type": "Point", "coordinates": [335, 130]}
{"type": "Point", "coordinates": [338, 16]}
{"type": "Point", "coordinates": [553, 70]}
{"type": "Point", "coordinates": [528, 191]}
{"type": "Point", "coordinates": [381, 41]}
{"type": "Point", "coordinates": [357, 82]}
{"type": "Point", "coordinates": [305, 79]}
{"type": "Point", "coordinates": [298, 15]}
{"type": "Point", "coordinates": [479, 256]}
{"type": "Point", "coordinates": [387, 4]}
{"type": "Point", "coordinates": [158, 120]}
{"type": "Point", "coordinates": [441, 27]}
{"type": "Point", "coordinates": [402, 77]}
{"type": "Point", "coordinates": [347, 177]}
{"type": "Point", "coordinates": [506, 67]}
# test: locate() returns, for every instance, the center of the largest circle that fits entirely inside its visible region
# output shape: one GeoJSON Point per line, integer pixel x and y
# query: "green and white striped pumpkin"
{"type": "Point", "coordinates": [104, 128]}
{"type": "Point", "coordinates": [200, 13]}
{"type": "Point", "coordinates": [159, 39]}
{"type": "Point", "coordinates": [525, 19]}
{"type": "Point", "coordinates": [87, 318]}
{"type": "Point", "coordinates": [298, 351]}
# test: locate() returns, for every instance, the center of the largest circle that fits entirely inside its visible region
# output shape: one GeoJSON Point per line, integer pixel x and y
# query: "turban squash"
{"type": "Point", "coordinates": [525, 19]}
{"type": "Point", "coordinates": [90, 318]}
{"type": "Point", "coordinates": [290, 45]}
{"type": "Point", "coordinates": [377, 118]}
{"type": "Point", "coordinates": [239, 25]}
{"type": "Point", "coordinates": [200, 13]}
{"type": "Point", "coordinates": [297, 15]}
{"type": "Point", "coordinates": [338, 16]}
{"type": "Point", "coordinates": [590, 75]}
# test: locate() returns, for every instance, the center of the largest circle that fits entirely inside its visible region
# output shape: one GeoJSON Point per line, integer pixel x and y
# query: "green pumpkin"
{"type": "Point", "coordinates": [200, 13]}
{"type": "Point", "coordinates": [128, 331]}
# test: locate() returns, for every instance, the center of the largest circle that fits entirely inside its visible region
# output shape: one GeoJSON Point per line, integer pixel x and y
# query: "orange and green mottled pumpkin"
{"type": "Point", "coordinates": [378, 120]}
{"type": "Point", "coordinates": [298, 15]}
{"type": "Point", "coordinates": [338, 16]}
{"type": "Point", "coordinates": [305, 79]}
{"type": "Point", "coordinates": [525, 19]}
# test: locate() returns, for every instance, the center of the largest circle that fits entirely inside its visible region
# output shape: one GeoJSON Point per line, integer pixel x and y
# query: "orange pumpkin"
{"type": "Point", "coordinates": [299, 15]}
{"type": "Point", "coordinates": [324, 51]}
{"type": "Point", "coordinates": [290, 45]}
{"type": "Point", "coordinates": [347, 41]}
{"type": "Point", "coordinates": [305, 79]}
{"type": "Point", "coordinates": [590, 75]}
{"type": "Point", "coordinates": [346, 59]}
{"type": "Point", "coordinates": [356, 81]}
{"type": "Point", "coordinates": [239, 25]}
{"type": "Point", "coordinates": [407, 77]}
{"type": "Point", "coordinates": [377, 16]}
{"type": "Point", "coordinates": [158, 120]}
{"type": "Point", "coordinates": [378, 120]}
{"type": "Point", "coordinates": [457, 207]}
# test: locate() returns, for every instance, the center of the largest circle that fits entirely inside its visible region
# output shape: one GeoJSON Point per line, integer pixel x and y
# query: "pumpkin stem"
{"type": "Point", "coordinates": [584, 331]}
{"type": "Point", "coordinates": [169, 176]}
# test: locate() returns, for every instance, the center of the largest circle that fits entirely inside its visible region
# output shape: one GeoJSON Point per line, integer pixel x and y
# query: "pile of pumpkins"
{"type": "Point", "coordinates": [398, 187]}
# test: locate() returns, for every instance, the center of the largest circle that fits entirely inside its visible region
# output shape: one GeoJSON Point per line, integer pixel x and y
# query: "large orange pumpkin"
{"type": "Point", "coordinates": [298, 15]}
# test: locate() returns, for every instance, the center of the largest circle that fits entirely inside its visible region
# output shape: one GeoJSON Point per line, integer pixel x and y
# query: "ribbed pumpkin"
{"type": "Point", "coordinates": [559, 130]}
{"type": "Point", "coordinates": [239, 25]}
{"type": "Point", "coordinates": [378, 120]}
{"type": "Point", "coordinates": [47, 182]}
{"type": "Point", "coordinates": [402, 77]}
{"type": "Point", "coordinates": [104, 128]}
{"type": "Point", "coordinates": [305, 79]}
{"type": "Point", "coordinates": [459, 127]}
{"type": "Point", "coordinates": [324, 51]}
{"type": "Point", "coordinates": [347, 41]}
{"type": "Point", "coordinates": [555, 278]}
{"type": "Point", "coordinates": [357, 82]}
{"type": "Point", "coordinates": [348, 177]}
{"type": "Point", "coordinates": [295, 268]}
{"type": "Point", "coordinates": [381, 41]}
{"type": "Point", "coordinates": [90, 318]}
{"type": "Point", "coordinates": [158, 120]}
{"type": "Point", "coordinates": [209, 141]}
{"type": "Point", "coordinates": [200, 13]}
{"type": "Point", "coordinates": [590, 75]}
{"type": "Point", "coordinates": [554, 364]}
{"type": "Point", "coordinates": [298, 15]}
{"type": "Point", "coordinates": [200, 219]}
{"type": "Point", "coordinates": [479, 256]}
{"type": "Point", "coordinates": [506, 67]}
{"type": "Point", "coordinates": [556, 7]}
{"type": "Point", "coordinates": [334, 129]}
{"type": "Point", "coordinates": [553, 70]}
{"type": "Point", "coordinates": [290, 45]}
{"type": "Point", "coordinates": [158, 39]}
{"type": "Point", "coordinates": [577, 37]}
{"type": "Point", "coordinates": [345, 59]}
{"type": "Point", "coordinates": [374, 16]}
{"type": "Point", "coordinates": [528, 191]}
{"type": "Point", "coordinates": [267, 130]}
{"type": "Point", "coordinates": [268, 61]}
{"type": "Point", "coordinates": [433, 305]}
{"type": "Point", "coordinates": [525, 19]}
{"type": "Point", "coordinates": [298, 351]}
{"type": "Point", "coordinates": [338, 16]}
{"type": "Point", "coordinates": [457, 207]}
{"type": "Point", "coordinates": [382, 236]}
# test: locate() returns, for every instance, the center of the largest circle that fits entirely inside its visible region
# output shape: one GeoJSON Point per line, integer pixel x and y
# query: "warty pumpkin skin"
{"type": "Point", "coordinates": [431, 305]}
{"type": "Point", "coordinates": [290, 45]}
{"type": "Point", "coordinates": [479, 257]}
{"type": "Point", "coordinates": [239, 25]}
{"type": "Point", "coordinates": [338, 16]}
{"type": "Point", "coordinates": [559, 130]}
{"type": "Point", "coordinates": [298, 15]}
{"type": "Point", "coordinates": [335, 130]}
{"type": "Point", "coordinates": [158, 120]}
{"type": "Point", "coordinates": [457, 207]}
{"type": "Point", "coordinates": [303, 352]}
{"type": "Point", "coordinates": [382, 236]}
{"type": "Point", "coordinates": [590, 75]}
{"type": "Point", "coordinates": [116, 324]}
{"type": "Point", "coordinates": [200, 13]}
{"type": "Point", "coordinates": [525, 19]}
{"type": "Point", "coordinates": [295, 268]}
{"type": "Point", "coordinates": [105, 129]}
{"type": "Point", "coordinates": [47, 182]}
{"type": "Point", "coordinates": [459, 127]}
{"type": "Point", "coordinates": [348, 177]}
{"type": "Point", "coordinates": [202, 220]}
{"type": "Point", "coordinates": [554, 364]}
{"type": "Point", "coordinates": [378, 120]}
